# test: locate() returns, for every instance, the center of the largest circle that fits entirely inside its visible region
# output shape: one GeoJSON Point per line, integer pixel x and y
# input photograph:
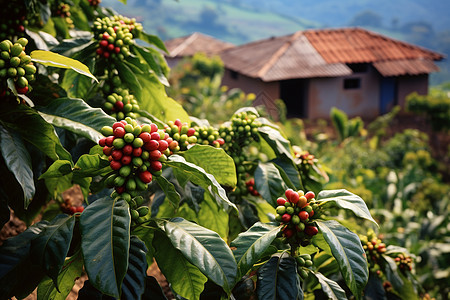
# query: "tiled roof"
{"type": "Point", "coordinates": [326, 53]}
{"type": "Point", "coordinates": [196, 42]}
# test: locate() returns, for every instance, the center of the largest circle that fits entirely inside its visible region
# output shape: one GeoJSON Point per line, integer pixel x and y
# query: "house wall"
{"type": "Point", "coordinates": [266, 92]}
{"type": "Point", "coordinates": [173, 61]}
{"type": "Point", "coordinates": [325, 93]}
{"type": "Point", "coordinates": [408, 84]}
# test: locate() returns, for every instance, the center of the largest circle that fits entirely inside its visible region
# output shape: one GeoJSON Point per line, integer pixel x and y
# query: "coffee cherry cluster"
{"type": "Point", "coordinates": [208, 135]}
{"type": "Point", "coordinates": [62, 10]}
{"type": "Point", "coordinates": [121, 104]}
{"type": "Point", "coordinates": [16, 64]}
{"type": "Point", "coordinates": [240, 162]}
{"type": "Point", "coordinates": [303, 263]}
{"type": "Point", "coordinates": [373, 246]}
{"type": "Point", "coordinates": [245, 128]}
{"type": "Point", "coordinates": [13, 19]}
{"type": "Point", "coordinates": [138, 211]}
{"type": "Point", "coordinates": [136, 154]}
{"type": "Point", "coordinates": [296, 213]}
{"type": "Point", "coordinates": [115, 36]}
{"type": "Point", "coordinates": [404, 262]}
{"type": "Point", "coordinates": [251, 187]}
{"type": "Point", "coordinates": [304, 157]}
{"type": "Point", "coordinates": [70, 209]}
{"type": "Point", "coordinates": [181, 133]}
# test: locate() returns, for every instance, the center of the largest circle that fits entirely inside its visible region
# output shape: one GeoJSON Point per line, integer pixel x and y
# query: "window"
{"type": "Point", "coordinates": [234, 74]}
{"type": "Point", "coordinates": [352, 83]}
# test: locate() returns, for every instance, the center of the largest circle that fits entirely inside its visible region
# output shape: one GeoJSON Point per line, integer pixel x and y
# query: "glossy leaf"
{"type": "Point", "coordinates": [73, 268]}
{"type": "Point", "coordinates": [289, 173]}
{"type": "Point", "coordinates": [269, 183]}
{"type": "Point", "coordinates": [185, 279]}
{"type": "Point", "coordinates": [278, 280]}
{"type": "Point", "coordinates": [185, 171]}
{"type": "Point", "coordinates": [76, 116]}
{"type": "Point", "coordinates": [51, 59]}
{"type": "Point", "coordinates": [50, 248]}
{"type": "Point", "coordinates": [391, 271]}
{"type": "Point", "coordinates": [90, 165]}
{"type": "Point", "coordinates": [105, 231]}
{"type": "Point", "coordinates": [18, 161]}
{"type": "Point", "coordinates": [217, 223]}
{"type": "Point", "coordinates": [330, 287]}
{"type": "Point", "coordinates": [346, 200]}
{"type": "Point", "coordinates": [214, 161]}
{"type": "Point", "coordinates": [134, 282]}
{"type": "Point", "coordinates": [34, 129]}
{"type": "Point", "coordinates": [251, 244]}
{"type": "Point", "coordinates": [349, 254]}
{"type": "Point", "coordinates": [152, 40]}
{"type": "Point", "coordinates": [204, 249]}
{"type": "Point", "coordinates": [57, 169]}
{"type": "Point", "coordinates": [148, 54]}
{"type": "Point", "coordinates": [279, 144]}
{"type": "Point", "coordinates": [18, 275]}
{"type": "Point", "coordinates": [374, 289]}
{"type": "Point", "coordinates": [169, 190]}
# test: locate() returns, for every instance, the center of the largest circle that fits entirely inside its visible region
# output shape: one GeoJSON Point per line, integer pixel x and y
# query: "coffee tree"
{"type": "Point", "coordinates": [219, 207]}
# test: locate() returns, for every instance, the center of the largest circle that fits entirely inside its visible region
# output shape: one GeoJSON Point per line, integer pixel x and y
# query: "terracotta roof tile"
{"type": "Point", "coordinates": [196, 42]}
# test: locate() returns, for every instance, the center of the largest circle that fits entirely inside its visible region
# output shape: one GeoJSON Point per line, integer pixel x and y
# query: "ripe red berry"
{"type": "Point", "coordinates": [288, 193]}
{"type": "Point", "coordinates": [145, 177]}
{"type": "Point", "coordinates": [127, 150]}
{"type": "Point", "coordinates": [177, 122]}
{"type": "Point", "coordinates": [118, 124]}
{"type": "Point", "coordinates": [116, 154]}
{"type": "Point", "coordinates": [107, 150]}
{"type": "Point", "coordinates": [173, 145]}
{"type": "Point", "coordinates": [111, 47]}
{"type": "Point", "coordinates": [105, 36]}
{"type": "Point", "coordinates": [102, 142]}
{"type": "Point", "coordinates": [288, 232]}
{"type": "Point", "coordinates": [163, 145]}
{"type": "Point", "coordinates": [154, 127]}
{"type": "Point", "coordinates": [106, 54]}
{"type": "Point", "coordinates": [303, 215]}
{"type": "Point", "coordinates": [190, 132]}
{"type": "Point", "coordinates": [73, 209]}
{"type": "Point", "coordinates": [310, 195]}
{"type": "Point", "coordinates": [118, 105]}
{"type": "Point", "coordinates": [23, 90]}
{"type": "Point", "coordinates": [155, 154]}
{"type": "Point", "coordinates": [120, 189]}
{"type": "Point", "coordinates": [119, 132]}
{"type": "Point", "coordinates": [117, 50]}
{"type": "Point", "coordinates": [80, 208]}
{"type": "Point", "coordinates": [137, 152]}
{"type": "Point", "coordinates": [145, 136]}
{"type": "Point", "coordinates": [250, 182]}
{"type": "Point", "coordinates": [109, 141]}
{"type": "Point", "coordinates": [115, 165]}
{"type": "Point", "coordinates": [281, 201]}
{"type": "Point", "coordinates": [286, 218]}
{"type": "Point", "coordinates": [155, 165]}
{"type": "Point", "coordinates": [103, 43]}
{"type": "Point", "coordinates": [221, 141]}
{"type": "Point", "coordinates": [99, 51]}
{"type": "Point", "coordinates": [294, 197]}
{"type": "Point", "coordinates": [126, 159]}
{"type": "Point", "coordinates": [311, 230]}
{"type": "Point", "coordinates": [155, 136]}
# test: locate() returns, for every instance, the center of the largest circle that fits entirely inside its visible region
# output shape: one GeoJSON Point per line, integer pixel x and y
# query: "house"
{"type": "Point", "coordinates": [187, 46]}
{"type": "Point", "coordinates": [361, 72]}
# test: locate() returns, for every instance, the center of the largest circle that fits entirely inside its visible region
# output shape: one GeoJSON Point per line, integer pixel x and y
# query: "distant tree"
{"type": "Point", "coordinates": [367, 18]}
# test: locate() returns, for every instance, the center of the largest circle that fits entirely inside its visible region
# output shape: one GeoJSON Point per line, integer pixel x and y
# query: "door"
{"type": "Point", "coordinates": [388, 94]}
{"type": "Point", "coordinates": [294, 93]}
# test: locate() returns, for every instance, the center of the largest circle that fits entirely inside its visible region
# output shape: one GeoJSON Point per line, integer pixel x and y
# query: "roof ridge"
{"type": "Point", "coordinates": [278, 54]}
{"type": "Point", "coordinates": [184, 44]}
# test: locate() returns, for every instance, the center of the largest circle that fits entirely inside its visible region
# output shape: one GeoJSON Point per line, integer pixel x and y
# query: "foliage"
{"type": "Point", "coordinates": [435, 106]}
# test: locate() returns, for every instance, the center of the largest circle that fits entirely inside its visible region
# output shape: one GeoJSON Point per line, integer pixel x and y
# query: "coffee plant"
{"type": "Point", "coordinates": [225, 210]}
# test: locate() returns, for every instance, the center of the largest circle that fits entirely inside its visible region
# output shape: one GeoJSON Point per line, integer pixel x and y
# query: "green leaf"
{"type": "Point", "coordinates": [50, 248]}
{"type": "Point", "coordinates": [219, 223]}
{"type": "Point", "coordinates": [90, 165]}
{"type": "Point", "coordinates": [185, 171]}
{"type": "Point", "coordinates": [289, 172]}
{"type": "Point", "coordinates": [346, 200]}
{"type": "Point", "coordinates": [51, 59]}
{"type": "Point", "coordinates": [265, 210]}
{"type": "Point", "coordinates": [185, 279]}
{"type": "Point", "coordinates": [34, 129]}
{"type": "Point", "coordinates": [148, 54]}
{"type": "Point", "coordinates": [76, 116]}
{"type": "Point", "coordinates": [251, 244]}
{"type": "Point", "coordinates": [134, 282]}
{"type": "Point", "coordinates": [340, 122]}
{"type": "Point", "coordinates": [325, 263]}
{"type": "Point", "coordinates": [391, 271]}
{"type": "Point", "coordinates": [214, 161]}
{"type": "Point", "coordinates": [105, 231]}
{"type": "Point", "coordinates": [279, 144]}
{"type": "Point", "coordinates": [278, 280]}
{"type": "Point", "coordinates": [269, 183]}
{"type": "Point", "coordinates": [57, 169]}
{"type": "Point", "coordinates": [169, 190]}
{"type": "Point", "coordinates": [18, 275]}
{"type": "Point", "coordinates": [349, 254]}
{"type": "Point", "coordinates": [72, 269]}
{"type": "Point", "coordinates": [204, 249]}
{"type": "Point", "coordinates": [152, 40]}
{"type": "Point", "coordinates": [129, 77]}
{"type": "Point", "coordinates": [330, 287]}
{"type": "Point", "coordinates": [18, 161]}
